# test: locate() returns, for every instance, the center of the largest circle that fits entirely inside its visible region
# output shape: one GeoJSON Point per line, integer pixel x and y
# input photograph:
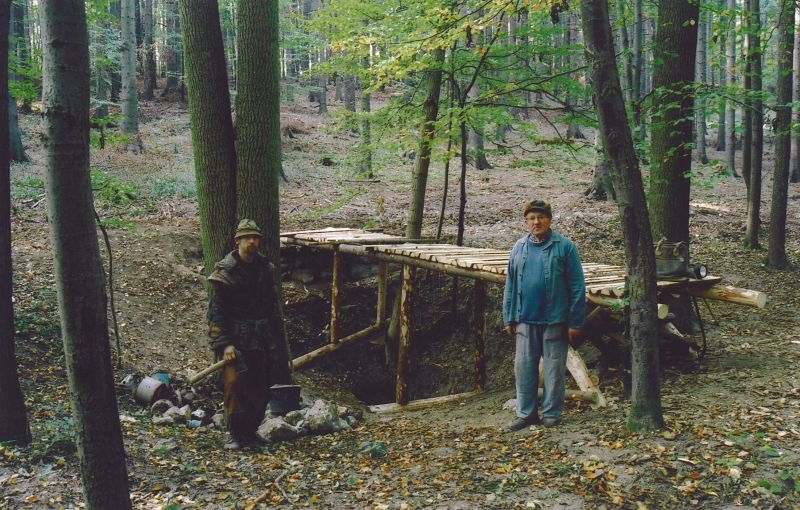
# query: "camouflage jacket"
{"type": "Point", "coordinates": [243, 308]}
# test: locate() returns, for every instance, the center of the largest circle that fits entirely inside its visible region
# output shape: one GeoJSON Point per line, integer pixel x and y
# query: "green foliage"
{"type": "Point", "coordinates": [54, 439]}
{"type": "Point", "coordinates": [38, 316]}
{"type": "Point", "coordinates": [27, 189]}
{"type": "Point", "coordinates": [110, 192]}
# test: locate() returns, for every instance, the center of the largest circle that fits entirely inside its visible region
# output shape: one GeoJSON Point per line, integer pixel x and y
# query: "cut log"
{"type": "Point", "coordinates": [731, 294]}
{"type": "Point", "coordinates": [617, 304]}
{"type": "Point", "coordinates": [422, 403]}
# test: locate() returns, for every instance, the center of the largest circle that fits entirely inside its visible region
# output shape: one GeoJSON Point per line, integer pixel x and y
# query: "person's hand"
{"type": "Point", "coordinates": [229, 354]}
{"type": "Point", "coordinates": [511, 329]}
{"type": "Point", "coordinates": [574, 335]}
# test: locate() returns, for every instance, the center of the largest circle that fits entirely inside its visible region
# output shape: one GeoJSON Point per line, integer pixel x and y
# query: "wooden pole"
{"type": "Point", "coordinates": [478, 321]}
{"type": "Point", "coordinates": [336, 287]}
{"type": "Point", "coordinates": [381, 307]}
{"type": "Point", "coordinates": [405, 334]}
{"type": "Point", "coordinates": [325, 349]}
{"type": "Point", "coordinates": [730, 294]}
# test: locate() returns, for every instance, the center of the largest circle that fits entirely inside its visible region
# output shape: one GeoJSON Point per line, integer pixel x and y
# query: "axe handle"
{"type": "Point", "coordinates": [199, 376]}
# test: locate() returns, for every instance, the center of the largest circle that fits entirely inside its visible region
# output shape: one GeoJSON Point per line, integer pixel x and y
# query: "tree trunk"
{"type": "Point", "coordinates": [419, 179]}
{"type": "Point", "coordinates": [78, 269]}
{"type": "Point", "coordinates": [783, 118]}
{"type": "Point", "coordinates": [626, 48]}
{"type": "Point", "coordinates": [701, 78]}
{"type": "Point", "coordinates": [670, 151]}
{"type": "Point", "coordinates": [129, 99]}
{"type": "Point", "coordinates": [322, 95]}
{"type": "Point", "coordinates": [172, 53]}
{"type": "Point", "coordinates": [212, 127]}
{"type": "Point", "coordinates": [21, 50]}
{"type": "Point", "coordinates": [730, 72]}
{"type": "Point", "coordinates": [476, 136]}
{"type": "Point", "coordinates": [573, 129]}
{"type": "Point", "coordinates": [16, 28]}
{"type": "Point", "coordinates": [602, 188]}
{"type": "Point", "coordinates": [756, 156]}
{"type": "Point", "coordinates": [115, 10]}
{"type": "Point", "coordinates": [148, 51]}
{"type": "Point", "coordinates": [365, 166]}
{"type": "Point", "coordinates": [645, 413]}
{"type": "Point", "coordinates": [795, 158]}
{"type": "Point", "coordinates": [258, 141]}
{"type": "Point", "coordinates": [723, 79]}
{"type": "Point", "coordinates": [13, 419]}
{"type": "Point", "coordinates": [747, 103]}
{"type": "Point", "coordinates": [638, 29]}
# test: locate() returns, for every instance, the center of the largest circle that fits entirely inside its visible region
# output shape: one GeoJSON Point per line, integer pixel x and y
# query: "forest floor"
{"type": "Point", "coordinates": [733, 418]}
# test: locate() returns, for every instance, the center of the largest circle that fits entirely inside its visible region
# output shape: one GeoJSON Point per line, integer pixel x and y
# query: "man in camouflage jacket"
{"type": "Point", "coordinates": [245, 319]}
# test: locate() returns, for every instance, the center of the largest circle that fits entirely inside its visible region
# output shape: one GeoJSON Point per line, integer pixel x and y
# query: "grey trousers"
{"type": "Point", "coordinates": [550, 343]}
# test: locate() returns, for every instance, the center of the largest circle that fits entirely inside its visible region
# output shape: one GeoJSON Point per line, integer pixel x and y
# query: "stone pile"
{"type": "Point", "coordinates": [319, 418]}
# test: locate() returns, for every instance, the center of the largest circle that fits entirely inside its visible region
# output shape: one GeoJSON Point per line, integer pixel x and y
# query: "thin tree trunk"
{"type": "Point", "coordinates": [419, 180]}
{"type": "Point", "coordinates": [573, 129]}
{"type": "Point", "coordinates": [747, 106]}
{"type": "Point", "coordinates": [258, 143]}
{"type": "Point", "coordinates": [783, 117]}
{"type": "Point", "coordinates": [13, 419]}
{"type": "Point", "coordinates": [756, 156]}
{"type": "Point", "coordinates": [645, 413]}
{"type": "Point", "coordinates": [670, 150]}
{"type": "Point", "coordinates": [148, 51]}
{"type": "Point", "coordinates": [638, 29]}
{"type": "Point", "coordinates": [129, 99]}
{"type": "Point", "coordinates": [723, 79]}
{"type": "Point", "coordinates": [627, 50]}
{"type": "Point", "coordinates": [795, 158]}
{"type": "Point", "coordinates": [700, 77]}
{"type": "Point", "coordinates": [731, 75]}
{"type": "Point", "coordinates": [172, 53]}
{"type": "Point", "coordinates": [78, 269]}
{"type": "Point", "coordinates": [366, 135]}
{"type": "Point", "coordinates": [212, 127]}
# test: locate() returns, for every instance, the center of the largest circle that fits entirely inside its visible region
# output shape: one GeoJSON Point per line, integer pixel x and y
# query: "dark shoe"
{"type": "Point", "coordinates": [521, 423]}
{"type": "Point", "coordinates": [550, 422]}
{"type": "Point", "coordinates": [257, 440]}
{"type": "Point", "coordinates": [232, 443]}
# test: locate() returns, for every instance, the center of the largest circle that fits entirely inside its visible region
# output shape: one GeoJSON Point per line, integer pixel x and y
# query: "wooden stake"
{"type": "Point", "coordinates": [478, 322]}
{"type": "Point", "coordinates": [335, 288]}
{"type": "Point", "coordinates": [405, 334]}
{"type": "Point", "coordinates": [381, 307]}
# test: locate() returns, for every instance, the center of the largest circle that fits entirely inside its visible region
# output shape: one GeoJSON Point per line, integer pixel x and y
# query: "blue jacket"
{"type": "Point", "coordinates": [563, 278]}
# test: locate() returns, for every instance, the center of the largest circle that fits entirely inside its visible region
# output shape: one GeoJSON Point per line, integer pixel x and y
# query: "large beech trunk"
{"type": "Point", "coordinates": [645, 412]}
{"type": "Point", "coordinates": [79, 274]}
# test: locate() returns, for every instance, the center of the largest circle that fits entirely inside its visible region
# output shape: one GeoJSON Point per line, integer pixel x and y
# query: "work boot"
{"type": "Point", "coordinates": [551, 422]}
{"type": "Point", "coordinates": [257, 440]}
{"type": "Point", "coordinates": [521, 423]}
{"type": "Point", "coordinates": [232, 442]}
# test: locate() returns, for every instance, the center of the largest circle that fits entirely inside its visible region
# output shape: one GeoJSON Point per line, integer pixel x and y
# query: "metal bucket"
{"type": "Point", "coordinates": [284, 398]}
{"type": "Point", "coordinates": [149, 390]}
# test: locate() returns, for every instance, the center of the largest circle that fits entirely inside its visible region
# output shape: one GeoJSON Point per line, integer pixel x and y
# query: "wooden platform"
{"type": "Point", "coordinates": [605, 286]}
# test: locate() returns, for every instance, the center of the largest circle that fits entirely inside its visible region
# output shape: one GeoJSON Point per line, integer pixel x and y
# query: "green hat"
{"type": "Point", "coordinates": [537, 205]}
{"type": "Point", "coordinates": [247, 228]}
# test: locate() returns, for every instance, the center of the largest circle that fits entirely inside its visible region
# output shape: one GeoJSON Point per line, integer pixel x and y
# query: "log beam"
{"type": "Point", "coordinates": [380, 309]}
{"type": "Point", "coordinates": [393, 407]}
{"type": "Point", "coordinates": [580, 373]}
{"type": "Point", "coordinates": [730, 294]}
{"type": "Point", "coordinates": [328, 348]}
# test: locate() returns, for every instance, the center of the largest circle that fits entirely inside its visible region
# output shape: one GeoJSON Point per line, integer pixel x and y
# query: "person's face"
{"type": "Point", "coordinates": [248, 245]}
{"type": "Point", "coordinates": [537, 223]}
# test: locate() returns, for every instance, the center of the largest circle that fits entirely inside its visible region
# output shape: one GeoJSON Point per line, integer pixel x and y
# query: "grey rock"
{"type": "Point", "coordinates": [323, 418]}
{"type": "Point", "coordinates": [176, 414]}
{"type": "Point", "coordinates": [276, 429]}
{"type": "Point", "coordinates": [218, 420]}
{"type": "Point", "coordinates": [187, 412]}
{"type": "Point", "coordinates": [161, 406]}
{"type": "Point", "coordinates": [199, 414]}
{"type": "Point", "coordinates": [294, 417]}
{"type": "Point", "coordinates": [163, 420]}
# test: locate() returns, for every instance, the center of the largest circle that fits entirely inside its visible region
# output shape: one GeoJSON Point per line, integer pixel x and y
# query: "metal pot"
{"type": "Point", "coordinates": [149, 390]}
{"type": "Point", "coordinates": [284, 398]}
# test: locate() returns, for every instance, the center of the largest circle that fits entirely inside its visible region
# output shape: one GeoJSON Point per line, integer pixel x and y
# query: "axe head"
{"type": "Point", "coordinates": [238, 363]}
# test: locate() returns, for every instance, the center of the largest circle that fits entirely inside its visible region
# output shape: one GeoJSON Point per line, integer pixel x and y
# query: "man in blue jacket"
{"type": "Point", "coordinates": [544, 306]}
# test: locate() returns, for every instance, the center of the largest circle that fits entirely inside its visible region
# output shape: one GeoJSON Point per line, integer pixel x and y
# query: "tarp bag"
{"type": "Point", "coordinates": [672, 259]}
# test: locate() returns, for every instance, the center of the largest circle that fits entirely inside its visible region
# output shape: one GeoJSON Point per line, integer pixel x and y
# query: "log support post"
{"type": "Point", "coordinates": [478, 322]}
{"type": "Point", "coordinates": [380, 312]}
{"type": "Point", "coordinates": [336, 287]}
{"type": "Point", "coordinates": [405, 334]}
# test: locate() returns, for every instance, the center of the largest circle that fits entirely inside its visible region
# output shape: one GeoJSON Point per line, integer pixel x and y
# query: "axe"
{"type": "Point", "coordinates": [238, 364]}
